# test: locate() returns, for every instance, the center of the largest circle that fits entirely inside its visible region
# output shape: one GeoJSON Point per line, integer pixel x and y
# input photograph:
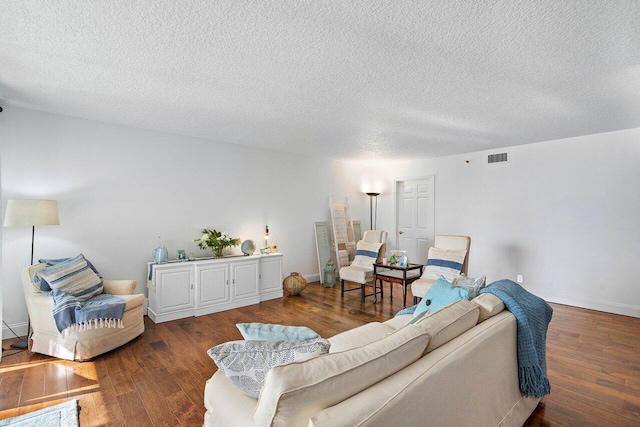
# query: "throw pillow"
{"type": "Point", "coordinates": [444, 262]}
{"type": "Point", "coordinates": [41, 285]}
{"type": "Point", "coordinates": [246, 363]}
{"type": "Point", "coordinates": [441, 294]}
{"type": "Point", "coordinates": [73, 277]}
{"type": "Point", "coordinates": [366, 254]}
{"type": "Point", "coordinates": [471, 284]}
{"type": "Point", "coordinates": [273, 332]}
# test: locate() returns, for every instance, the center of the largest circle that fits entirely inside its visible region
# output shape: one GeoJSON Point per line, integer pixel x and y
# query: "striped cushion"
{"type": "Point", "coordinates": [73, 277]}
{"type": "Point", "coordinates": [444, 262]}
{"type": "Point", "coordinates": [366, 254]}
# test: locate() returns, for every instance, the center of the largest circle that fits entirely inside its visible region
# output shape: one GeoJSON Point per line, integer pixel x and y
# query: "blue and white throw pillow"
{"type": "Point", "coordinates": [246, 363]}
{"type": "Point", "coordinates": [274, 332]}
{"type": "Point", "coordinates": [441, 294]}
{"type": "Point", "coordinates": [42, 285]}
{"type": "Point", "coordinates": [471, 284]}
{"type": "Point", "coordinates": [366, 254]}
{"type": "Point", "coordinates": [73, 277]}
{"type": "Point", "coordinates": [444, 262]}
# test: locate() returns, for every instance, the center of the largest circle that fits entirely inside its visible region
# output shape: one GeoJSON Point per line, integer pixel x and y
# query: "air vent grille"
{"type": "Point", "coordinates": [496, 158]}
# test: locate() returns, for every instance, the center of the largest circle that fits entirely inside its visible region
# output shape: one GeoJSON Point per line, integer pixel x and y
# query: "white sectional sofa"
{"type": "Point", "coordinates": [456, 367]}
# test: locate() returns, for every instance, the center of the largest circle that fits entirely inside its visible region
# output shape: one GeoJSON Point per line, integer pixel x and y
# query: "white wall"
{"type": "Point", "coordinates": [564, 214]}
{"type": "Point", "coordinates": [120, 188]}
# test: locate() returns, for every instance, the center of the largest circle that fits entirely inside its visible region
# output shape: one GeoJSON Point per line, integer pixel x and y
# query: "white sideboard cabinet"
{"type": "Point", "coordinates": [195, 288]}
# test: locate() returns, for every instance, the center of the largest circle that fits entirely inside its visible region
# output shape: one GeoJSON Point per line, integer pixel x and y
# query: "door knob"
{"type": "Point", "coordinates": [400, 232]}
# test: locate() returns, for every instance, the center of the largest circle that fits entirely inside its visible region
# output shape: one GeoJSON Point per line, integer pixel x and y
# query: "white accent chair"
{"type": "Point", "coordinates": [80, 345]}
{"type": "Point", "coordinates": [420, 287]}
{"type": "Point", "coordinates": [364, 275]}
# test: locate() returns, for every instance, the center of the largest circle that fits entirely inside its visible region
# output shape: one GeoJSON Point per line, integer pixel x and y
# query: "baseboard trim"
{"type": "Point", "coordinates": [18, 328]}
{"type": "Point", "coordinates": [592, 304]}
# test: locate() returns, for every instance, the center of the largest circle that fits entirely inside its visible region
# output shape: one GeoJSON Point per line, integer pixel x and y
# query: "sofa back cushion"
{"type": "Point", "coordinates": [449, 323]}
{"type": "Point", "coordinates": [489, 305]}
{"type": "Point", "coordinates": [294, 392]}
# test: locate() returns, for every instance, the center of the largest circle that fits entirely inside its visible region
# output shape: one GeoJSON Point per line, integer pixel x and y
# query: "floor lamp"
{"type": "Point", "coordinates": [30, 212]}
{"type": "Point", "coordinates": [371, 196]}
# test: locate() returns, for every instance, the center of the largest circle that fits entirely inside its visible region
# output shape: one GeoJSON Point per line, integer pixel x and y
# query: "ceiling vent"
{"type": "Point", "coordinates": [497, 158]}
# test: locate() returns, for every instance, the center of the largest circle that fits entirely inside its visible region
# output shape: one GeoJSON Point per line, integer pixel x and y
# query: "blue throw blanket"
{"type": "Point", "coordinates": [532, 315]}
{"type": "Point", "coordinates": [100, 311]}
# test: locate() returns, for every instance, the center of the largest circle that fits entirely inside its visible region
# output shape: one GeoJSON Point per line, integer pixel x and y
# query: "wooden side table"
{"type": "Point", "coordinates": [396, 274]}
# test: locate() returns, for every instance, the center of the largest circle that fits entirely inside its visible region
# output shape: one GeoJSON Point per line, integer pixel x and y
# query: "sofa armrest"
{"type": "Point", "coordinates": [119, 287]}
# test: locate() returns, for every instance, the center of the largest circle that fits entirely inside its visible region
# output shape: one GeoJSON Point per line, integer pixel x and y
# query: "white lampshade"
{"type": "Point", "coordinates": [31, 212]}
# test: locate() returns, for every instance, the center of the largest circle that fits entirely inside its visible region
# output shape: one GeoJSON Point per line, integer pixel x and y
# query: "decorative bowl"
{"type": "Point", "coordinates": [265, 251]}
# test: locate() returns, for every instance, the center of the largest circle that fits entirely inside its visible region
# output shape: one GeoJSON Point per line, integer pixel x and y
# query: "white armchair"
{"type": "Point", "coordinates": [86, 344]}
{"type": "Point", "coordinates": [362, 273]}
{"type": "Point", "coordinates": [420, 287]}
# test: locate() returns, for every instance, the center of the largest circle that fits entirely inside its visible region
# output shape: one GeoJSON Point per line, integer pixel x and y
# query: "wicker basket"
{"type": "Point", "coordinates": [294, 283]}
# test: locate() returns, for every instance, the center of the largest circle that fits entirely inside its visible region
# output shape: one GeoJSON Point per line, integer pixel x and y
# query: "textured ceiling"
{"type": "Point", "coordinates": [362, 81]}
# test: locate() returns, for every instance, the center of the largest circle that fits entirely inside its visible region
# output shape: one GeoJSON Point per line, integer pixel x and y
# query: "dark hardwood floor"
{"type": "Point", "coordinates": [158, 379]}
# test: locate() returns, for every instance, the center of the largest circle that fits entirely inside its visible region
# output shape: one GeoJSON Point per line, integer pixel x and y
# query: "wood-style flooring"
{"type": "Point", "coordinates": [158, 379]}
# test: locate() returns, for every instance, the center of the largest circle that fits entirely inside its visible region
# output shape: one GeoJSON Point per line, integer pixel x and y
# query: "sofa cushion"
{"type": "Point", "coordinates": [444, 262]}
{"type": "Point", "coordinates": [489, 306]}
{"type": "Point", "coordinates": [354, 273]}
{"type": "Point", "coordinates": [295, 391]}
{"type": "Point", "coordinates": [441, 294]}
{"type": "Point", "coordinates": [448, 323]}
{"type": "Point", "coordinates": [274, 332]}
{"type": "Point", "coordinates": [246, 363]}
{"type": "Point", "coordinates": [73, 277]}
{"type": "Point", "coordinates": [360, 336]}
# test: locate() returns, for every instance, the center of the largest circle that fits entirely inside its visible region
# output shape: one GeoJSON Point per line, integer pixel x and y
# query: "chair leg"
{"type": "Point", "coordinates": [381, 289]}
{"type": "Point", "coordinates": [342, 288]}
{"type": "Point", "coordinates": [362, 289]}
{"type": "Point", "coordinates": [415, 300]}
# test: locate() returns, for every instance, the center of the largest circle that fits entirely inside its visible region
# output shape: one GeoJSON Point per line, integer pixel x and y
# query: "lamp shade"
{"type": "Point", "coordinates": [31, 212]}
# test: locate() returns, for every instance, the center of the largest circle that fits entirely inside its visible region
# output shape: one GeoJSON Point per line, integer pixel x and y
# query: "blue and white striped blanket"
{"type": "Point", "coordinates": [100, 311]}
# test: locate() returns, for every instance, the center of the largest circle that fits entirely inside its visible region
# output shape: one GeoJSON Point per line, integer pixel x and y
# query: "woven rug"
{"type": "Point", "coordinates": [62, 415]}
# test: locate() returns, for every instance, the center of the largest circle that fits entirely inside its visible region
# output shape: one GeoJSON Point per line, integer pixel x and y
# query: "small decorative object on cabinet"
{"type": "Point", "coordinates": [248, 247]}
{"type": "Point", "coordinates": [329, 275]}
{"type": "Point", "coordinates": [160, 254]}
{"type": "Point", "coordinates": [216, 241]}
{"type": "Point", "coordinates": [295, 283]}
{"type": "Point", "coordinates": [181, 255]}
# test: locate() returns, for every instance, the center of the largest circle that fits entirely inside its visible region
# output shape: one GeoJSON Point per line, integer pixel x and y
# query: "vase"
{"type": "Point", "coordinates": [217, 252]}
{"type": "Point", "coordinates": [295, 283]}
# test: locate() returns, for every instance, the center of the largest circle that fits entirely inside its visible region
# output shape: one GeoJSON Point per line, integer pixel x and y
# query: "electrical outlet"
{"type": "Point", "coordinates": [519, 278]}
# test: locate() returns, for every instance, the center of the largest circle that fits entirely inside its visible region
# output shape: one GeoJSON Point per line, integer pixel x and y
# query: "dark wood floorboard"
{"type": "Point", "coordinates": [158, 379]}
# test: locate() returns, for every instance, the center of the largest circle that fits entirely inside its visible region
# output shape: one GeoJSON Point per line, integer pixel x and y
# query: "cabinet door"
{"type": "Point", "coordinates": [174, 289]}
{"type": "Point", "coordinates": [244, 279]}
{"type": "Point", "coordinates": [270, 277]}
{"type": "Point", "coordinates": [213, 285]}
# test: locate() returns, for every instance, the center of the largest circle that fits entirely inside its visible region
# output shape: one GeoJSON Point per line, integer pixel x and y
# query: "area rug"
{"type": "Point", "coordinates": [61, 415]}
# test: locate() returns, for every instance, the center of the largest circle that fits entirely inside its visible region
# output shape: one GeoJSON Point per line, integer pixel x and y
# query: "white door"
{"type": "Point", "coordinates": [415, 217]}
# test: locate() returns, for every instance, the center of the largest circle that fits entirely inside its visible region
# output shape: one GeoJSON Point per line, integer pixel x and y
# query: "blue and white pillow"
{"type": "Point", "coordinates": [246, 363]}
{"type": "Point", "coordinates": [73, 277]}
{"type": "Point", "coordinates": [366, 254]}
{"type": "Point", "coordinates": [42, 285]}
{"type": "Point", "coordinates": [274, 332]}
{"type": "Point", "coordinates": [441, 294]}
{"type": "Point", "coordinates": [471, 284]}
{"type": "Point", "coordinates": [444, 262]}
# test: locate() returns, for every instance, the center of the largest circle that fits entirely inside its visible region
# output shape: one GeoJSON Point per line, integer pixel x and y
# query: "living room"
{"type": "Point", "coordinates": [561, 212]}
